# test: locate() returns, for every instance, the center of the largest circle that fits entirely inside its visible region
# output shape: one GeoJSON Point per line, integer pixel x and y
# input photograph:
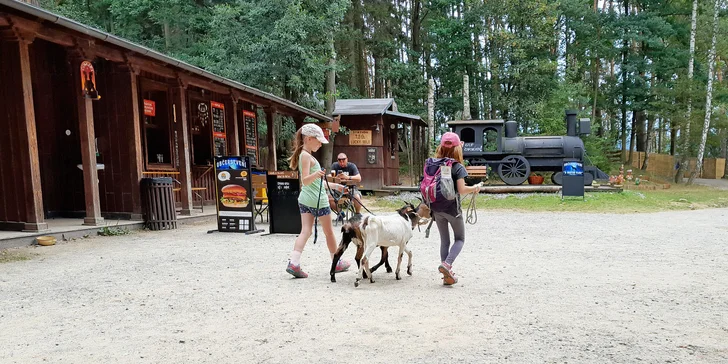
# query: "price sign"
{"type": "Point", "coordinates": [218, 127]}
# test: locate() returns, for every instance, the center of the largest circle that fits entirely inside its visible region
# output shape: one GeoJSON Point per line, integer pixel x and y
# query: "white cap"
{"type": "Point", "coordinates": [313, 130]}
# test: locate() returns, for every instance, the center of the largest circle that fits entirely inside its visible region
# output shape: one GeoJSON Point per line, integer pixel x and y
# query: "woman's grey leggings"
{"type": "Point", "coordinates": [442, 220]}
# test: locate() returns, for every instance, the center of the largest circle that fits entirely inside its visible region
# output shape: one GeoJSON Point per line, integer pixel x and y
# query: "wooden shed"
{"type": "Point", "coordinates": [84, 115]}
{"type": "Point", "coordinates": [377, 133]}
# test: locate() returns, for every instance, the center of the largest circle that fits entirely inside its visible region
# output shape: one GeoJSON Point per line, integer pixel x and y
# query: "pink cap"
{"type": "Point", "coordinates": [450, 140]}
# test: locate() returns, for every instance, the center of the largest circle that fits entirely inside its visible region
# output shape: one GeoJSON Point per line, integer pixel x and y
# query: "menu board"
{"type": "Point", "coordinates": [283, 190]}
{"type": "Point", "coordinates": [233, 187]}
{"type": "Point", "coordinates": [252, 153]}
{"type": "Point", "coordinates": [218, 128]}
{"type": "Point", "coordinates": [251, 136]}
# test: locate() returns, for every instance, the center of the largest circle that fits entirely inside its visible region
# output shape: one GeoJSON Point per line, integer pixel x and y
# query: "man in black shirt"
{"type": "Point", "coordinates": [348, 174]}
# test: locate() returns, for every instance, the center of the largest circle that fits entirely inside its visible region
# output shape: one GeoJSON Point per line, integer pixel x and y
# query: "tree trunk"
{"type": "Point", "coordinates": [327, 150]}
{"type": "Point", "coordinates": [416, 27]}
{"type": "Point", "coordinates": [685, 134]}
{"type": "Point", "coordinates": [625, 50]}
{"type": "Point", "coordinates": [673, 137]}
{"type": "Point", "coordinates": [430, 115]}
{"type": "Point", "coordinates": [378, 82]}
{"type": "Point", "coordinates": [632, 141]}
{"type": "Point", "coordinates": [466, 98]}
{"type": "Point", "coordinates": [724, 148]}
{"type": "Point", "coordinates": [362, 68]}
{"type": "Point", "coordinates": [639, 125]}
{"type": "Point", "coordinates": [650, 128]}
{"type": "Point", "coordinates": [708, 96]}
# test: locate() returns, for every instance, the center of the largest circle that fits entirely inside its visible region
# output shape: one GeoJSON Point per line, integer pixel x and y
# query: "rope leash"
{"type": "Point", "coordinates": [315, 220]}
{"type": "Point", "coordinates": [471, 214]}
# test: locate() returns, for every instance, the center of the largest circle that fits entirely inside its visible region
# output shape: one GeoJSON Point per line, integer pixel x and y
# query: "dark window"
{"type": "Point", "coordinates": [467, 135]}
{"type": "Point", "coordinates": [490, 140]}
{"type": "Point", "coordinates": [157, 128]}
{"type": "Point", "coordinates": [201, 132]}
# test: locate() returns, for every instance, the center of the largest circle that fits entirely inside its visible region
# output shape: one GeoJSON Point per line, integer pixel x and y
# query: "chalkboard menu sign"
{"type": "Point", "coordinates": [234, 189]}
{"type": "Point", "coordinates": [283, 190]}
{"type": "Point", "coordinates": [218, 127]}
{"type": "Point", "coordinates": [250, 124]}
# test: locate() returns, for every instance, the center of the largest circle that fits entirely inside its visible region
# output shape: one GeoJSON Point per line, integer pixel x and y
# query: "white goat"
{"type": "Point", "coordinates": [386, 231]}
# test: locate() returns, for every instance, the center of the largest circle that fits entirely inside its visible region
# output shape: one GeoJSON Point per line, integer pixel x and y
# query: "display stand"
{"type": "Point", "coordinates": [283, 190]}
{"type": "Point", "coordinates": [234, 195]}
{"type": "Point", "coordinates": [572, 179]}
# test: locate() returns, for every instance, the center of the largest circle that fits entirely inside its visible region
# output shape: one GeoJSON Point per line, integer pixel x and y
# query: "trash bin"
{"type": "Point", "coordinates": [158, 203]}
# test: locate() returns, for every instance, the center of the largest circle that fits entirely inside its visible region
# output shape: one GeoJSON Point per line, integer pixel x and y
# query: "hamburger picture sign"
{"type": "Point", "coordinates": [234, 192]}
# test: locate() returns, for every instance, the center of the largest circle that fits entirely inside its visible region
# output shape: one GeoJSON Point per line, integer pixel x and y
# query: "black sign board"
{"type": "Point", "coordinates": [283, 190]}
{"type": "Point", "coordinates": [251, 136]}
{"type": "Point", "coordinates": [572, 181]}
{"type": "Point", "coordinates": [234, 192]}
{"type": "Point", "coordinates": [218, 128]}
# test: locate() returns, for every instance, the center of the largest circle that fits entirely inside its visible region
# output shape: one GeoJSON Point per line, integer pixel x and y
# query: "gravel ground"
{"type": "Point", "coordinates": [534, 288]}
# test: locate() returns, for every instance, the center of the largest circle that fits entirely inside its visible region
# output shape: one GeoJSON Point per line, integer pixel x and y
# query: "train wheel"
{"type": "Point", "coordinates": [514, 170]}
{"type": "Point", "coordinates": [556, 178]}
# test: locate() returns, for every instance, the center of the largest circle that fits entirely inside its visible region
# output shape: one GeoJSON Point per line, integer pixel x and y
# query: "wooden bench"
{"type": "Point", "coordinates": [174, 175]}
{"type": "Point", "coordinates": [260, 193]}
{"type": "Point", "coordinates": [477, 171]}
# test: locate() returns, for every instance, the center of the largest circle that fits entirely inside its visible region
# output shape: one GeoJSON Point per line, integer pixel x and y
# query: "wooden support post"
{"type": "Point", "coordinates": [410, 150]}
{"type": "Point", "coordinates": [234, 133]}
{"type": "Point", "coordinates": [34, 220]}
{"type": "Point", "coordinates": [88, 158]}
{"type": "Point", "coordinates": [135, 147]}
{"type": "Point", "coordinates": [270, 118]}
{"type": "Point", "coordinates": [183, 148]}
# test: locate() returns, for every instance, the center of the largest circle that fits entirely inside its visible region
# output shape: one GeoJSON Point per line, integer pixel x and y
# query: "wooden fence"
{"type": "Point", "coordinates": [664, 165]}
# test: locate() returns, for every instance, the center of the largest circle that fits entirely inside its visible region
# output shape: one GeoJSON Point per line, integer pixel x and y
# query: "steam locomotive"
{"type": "Point", "coordinates": [495, 143]}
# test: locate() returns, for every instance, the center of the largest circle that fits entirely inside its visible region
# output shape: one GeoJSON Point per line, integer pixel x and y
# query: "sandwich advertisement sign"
{"type": "Point", "coordinates": [234, 194]}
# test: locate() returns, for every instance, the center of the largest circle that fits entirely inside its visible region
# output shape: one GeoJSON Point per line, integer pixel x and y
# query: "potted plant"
{"type": "Point", "coordinates": [535, 179]}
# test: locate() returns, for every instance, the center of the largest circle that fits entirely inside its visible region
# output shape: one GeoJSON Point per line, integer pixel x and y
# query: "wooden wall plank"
{"type": "Point", "coordinates": [180, 102]}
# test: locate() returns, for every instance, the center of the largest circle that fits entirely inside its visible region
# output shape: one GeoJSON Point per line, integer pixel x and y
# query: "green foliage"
{"type": "Point", "coordinates": [113, 231]}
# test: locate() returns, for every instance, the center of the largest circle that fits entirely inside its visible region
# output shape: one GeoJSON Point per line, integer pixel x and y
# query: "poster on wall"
{"type": "Point", "coordinates": [250, 125]}
{"type": "Point", "coordinates": [218, 128]}
{"type": "Point", "coordinates": [233, 188]}
{"type": "Point", "coordinates": [150, 108]}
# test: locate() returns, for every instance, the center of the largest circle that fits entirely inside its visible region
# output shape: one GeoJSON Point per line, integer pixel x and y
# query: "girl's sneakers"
{"type": "Point", "coordinates": [448, 277]}
{"type": "Point", "coordinates": [295, 270]}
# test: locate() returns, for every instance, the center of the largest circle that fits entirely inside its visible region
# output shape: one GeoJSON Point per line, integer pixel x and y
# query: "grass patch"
{"type": "Point", "coordinates": [9, 256]}
{"type": "Point", "coordinates": [675, 198]}
{"type": "Point", "coordinates": [114, 231]}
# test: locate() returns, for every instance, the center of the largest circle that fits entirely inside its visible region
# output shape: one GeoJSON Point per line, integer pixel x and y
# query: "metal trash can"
{"type": "Point", "coordinates": [158, 203]}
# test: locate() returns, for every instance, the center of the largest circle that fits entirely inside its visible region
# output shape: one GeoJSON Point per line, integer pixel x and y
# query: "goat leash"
{"type": "Point", "coordinates": [471, 215]}
{"type": "Point", "coordinates": [315, 220]}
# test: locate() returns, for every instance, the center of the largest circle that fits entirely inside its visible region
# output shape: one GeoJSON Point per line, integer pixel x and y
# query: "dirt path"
{"type": "Point", "coordinates": [535, 287]}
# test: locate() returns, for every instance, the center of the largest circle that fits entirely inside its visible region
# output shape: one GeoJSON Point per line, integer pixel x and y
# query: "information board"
{"type": "Point", "coordinates": [218, 128]}
{"type": "Point", "coordinates": [360, 137]}
{"type": "Point", "coordinates": [283, 190]}
{"type": "Point", "coordinates": [233, 189]}
{"type": "Point", "coordinates": [572, 180]}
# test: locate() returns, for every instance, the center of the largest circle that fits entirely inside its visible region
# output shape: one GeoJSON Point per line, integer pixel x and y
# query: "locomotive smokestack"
{"type": "Point", "coordinates": [571, 122]}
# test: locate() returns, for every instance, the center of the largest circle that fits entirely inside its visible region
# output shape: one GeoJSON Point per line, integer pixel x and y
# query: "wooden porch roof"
{"type": "Point", "coordinates": [25, 18]}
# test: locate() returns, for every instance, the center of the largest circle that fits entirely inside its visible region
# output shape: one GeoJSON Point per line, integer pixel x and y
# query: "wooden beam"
{"type": "Point", "coordinates": [35, 219]}
{"type": "Point", "coordinates": [183, 151]}
{"type": "Point", "coordinates": [151, 67]}
{"type": "Point", "coordinates": [37, 29]}
{"type": "Point", "coordinates": [270, 121]}
{"type": "Point", "coordinates": [88, 151]}
{"type": "Point", "coordinates": [4, 21]}
{"type": "Point", "coordinates": [234, 132]}
{"type": "Point", "coordinates": [93, 49]}
{"type": "Point", "coordinates": [135, 147]}
{"type": "Point", "coordinates": [202, 83]}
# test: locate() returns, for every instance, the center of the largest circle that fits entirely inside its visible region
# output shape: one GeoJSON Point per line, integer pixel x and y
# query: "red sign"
{"type": "Point", "coordinates": [218, 134]}
{"type": "Point", "coordinates": [217, 105]}
{"type": "Point", "coordinates": [150, 108]}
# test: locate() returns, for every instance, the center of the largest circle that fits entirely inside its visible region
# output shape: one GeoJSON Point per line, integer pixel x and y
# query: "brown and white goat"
{"type": "Point", "coordinates": [384, 231]}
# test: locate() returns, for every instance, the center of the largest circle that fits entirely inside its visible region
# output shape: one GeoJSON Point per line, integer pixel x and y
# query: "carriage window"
{"type": "Point", "coordinates": [467, 135]}
{"type": "Point", "coordinates": [490, 140]}
{"type": "Point", "coordinates": [157, 133]}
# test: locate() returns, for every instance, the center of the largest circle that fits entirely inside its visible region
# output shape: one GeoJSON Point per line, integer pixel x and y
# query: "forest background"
{"type": "Point", "coordinates": [626, 64]}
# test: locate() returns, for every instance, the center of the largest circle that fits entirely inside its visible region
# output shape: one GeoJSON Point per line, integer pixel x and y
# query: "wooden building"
{"type": "Point", "coordinates": [377, 133]}
{"type": "Point", "coordinates": [65, 152]}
